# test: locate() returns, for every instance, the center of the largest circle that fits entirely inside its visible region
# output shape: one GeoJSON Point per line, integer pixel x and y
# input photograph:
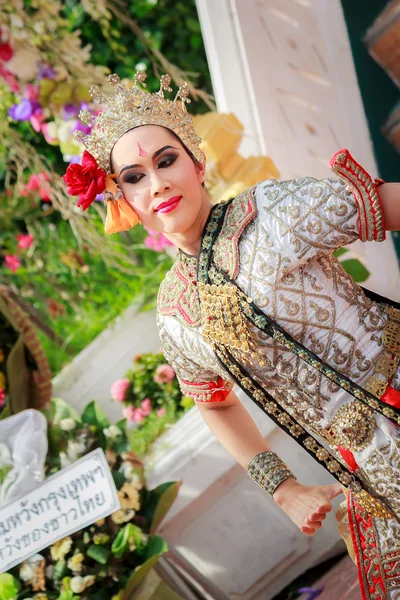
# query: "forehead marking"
{"type": "Point", "coordinates": [141, 151]}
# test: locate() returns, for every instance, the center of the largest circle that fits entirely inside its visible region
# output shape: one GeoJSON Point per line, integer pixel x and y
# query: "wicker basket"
{"type": "Point", "coordinates": [383, 40]}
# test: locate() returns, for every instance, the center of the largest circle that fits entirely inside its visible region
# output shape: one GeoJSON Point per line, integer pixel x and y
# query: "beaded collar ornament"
{"type": "Point", "coordinates": [130, 107]}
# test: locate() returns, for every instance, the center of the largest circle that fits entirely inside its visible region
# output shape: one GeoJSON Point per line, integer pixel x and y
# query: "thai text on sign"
{"type": "Point", "coordinates": [68, 501]}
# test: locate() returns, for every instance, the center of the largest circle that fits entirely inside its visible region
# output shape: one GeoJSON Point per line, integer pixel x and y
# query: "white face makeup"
{"type": "Point", "coordinates": [160, 180]}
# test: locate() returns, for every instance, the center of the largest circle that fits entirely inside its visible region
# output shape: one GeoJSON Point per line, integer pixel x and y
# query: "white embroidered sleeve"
{"type": "Point", "coordinates": [197, 380]}
{"type": "Point", "coordinates": [307, 215]}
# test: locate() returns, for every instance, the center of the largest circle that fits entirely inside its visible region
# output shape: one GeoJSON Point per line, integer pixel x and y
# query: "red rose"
{"type": "Point", "coordinates": [6, 52]}
{"type": "Point", "coordinates": [86, 180]}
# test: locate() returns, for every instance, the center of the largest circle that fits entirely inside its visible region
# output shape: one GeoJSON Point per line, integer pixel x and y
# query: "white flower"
{"type": "Point", "coordinates": [39, 27]}
{"type": "Point", "coordinates": [112, 432]}
{"type": "Point", "coordinates": [67, 424]}
{"type": "Point", "coordinates": [26, 572]}
{"type": "Point", "coordinates": [78, 584]}
{"type": "Point", "coordinates": [75, 449]}
{"type": "Point", "coordinates": [29, 567]}
{"type": "Point", "coordinates": [141, 66]}
{"type": "Point", "coordinates": [16, 21]}
{"type": "Point", "coordinates": [64, 460]}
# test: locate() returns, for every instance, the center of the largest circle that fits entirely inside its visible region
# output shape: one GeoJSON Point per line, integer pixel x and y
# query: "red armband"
{"type": "Point", "coordinates": [364, 188]}
{"type": "Point", "coordinates": [209, 391]}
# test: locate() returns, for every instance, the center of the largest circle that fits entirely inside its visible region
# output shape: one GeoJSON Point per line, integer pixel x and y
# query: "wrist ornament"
{"type": "Point", "coordinates": [268, 471]}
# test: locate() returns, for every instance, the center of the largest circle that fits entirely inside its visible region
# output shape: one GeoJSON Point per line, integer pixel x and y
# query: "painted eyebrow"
{"type": "Point", "coordinates": [156, 153]}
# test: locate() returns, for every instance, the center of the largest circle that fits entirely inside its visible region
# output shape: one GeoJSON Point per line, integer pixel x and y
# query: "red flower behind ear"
{"type": "Point", "coordinates": [86, 180]}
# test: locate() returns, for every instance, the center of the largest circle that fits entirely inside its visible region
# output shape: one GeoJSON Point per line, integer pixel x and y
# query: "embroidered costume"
{"type": "Point", "coordinates": [276, 244]}
{"type": "Point", "coordinates": [267, 306]}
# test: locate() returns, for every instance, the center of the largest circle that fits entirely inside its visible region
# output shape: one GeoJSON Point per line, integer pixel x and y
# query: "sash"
{"type": "Point", "coordinates": [225, 310]}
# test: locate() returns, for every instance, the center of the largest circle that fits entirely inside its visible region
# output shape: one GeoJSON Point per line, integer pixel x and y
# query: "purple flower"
{"type": "Point", "coordinates": [76, 159]}
{"type": "Point", "coordinates": [70, 111]}
{"type": "Point", "coordinates": [81, 127]}
{"type": "Point", "coordinates": [47, 72]}
{"type": "Point", "coordinates": [100, 197]}
{"type": "Point", "coordinates": [24, 110]}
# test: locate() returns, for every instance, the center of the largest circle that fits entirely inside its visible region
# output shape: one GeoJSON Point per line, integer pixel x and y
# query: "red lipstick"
{"type": "Point", "coordinates": [169, 205]}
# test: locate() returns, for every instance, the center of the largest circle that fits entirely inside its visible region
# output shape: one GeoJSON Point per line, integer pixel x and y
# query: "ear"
{"type": "Point", "coordinates": [201, 169]}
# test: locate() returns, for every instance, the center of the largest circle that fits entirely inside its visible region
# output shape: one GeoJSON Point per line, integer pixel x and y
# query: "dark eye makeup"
{"type": "Point", "coordinates": [165, 161]}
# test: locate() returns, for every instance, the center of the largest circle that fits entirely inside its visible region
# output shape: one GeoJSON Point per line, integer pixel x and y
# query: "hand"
{"type": "Point", "coordinates": [307, 506]}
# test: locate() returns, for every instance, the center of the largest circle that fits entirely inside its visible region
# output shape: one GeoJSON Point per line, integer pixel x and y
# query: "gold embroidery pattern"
{"type": "Point", "coordinates": [311, 225]}
{"type": "Point", "coordinates": [381, 472]}
{"type": "Point", "coordinates": [388, 363]}
{"type": "Point", "coordinates": [240, 213]}
{"type": "Point", "coordinates": [178, 294]}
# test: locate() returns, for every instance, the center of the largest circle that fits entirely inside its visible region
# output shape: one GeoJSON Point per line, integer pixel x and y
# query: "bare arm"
{"type": "Point", "coordinates": [389, 194]}
{"type": "Point", "coordinates": [235, 429]}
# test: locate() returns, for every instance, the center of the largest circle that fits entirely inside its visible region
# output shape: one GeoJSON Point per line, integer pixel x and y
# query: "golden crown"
{"type": "Point", "coordinates": [130, 107]}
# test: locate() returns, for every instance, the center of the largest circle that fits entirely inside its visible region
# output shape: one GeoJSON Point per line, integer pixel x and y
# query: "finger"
{"type": "Point", "coordinates": [316, 518]}
{"type": "Point", "coordinates": [324, 508]}
{"type": "Point", "coordinates": [307, 530]}
{"type": "Point", "coordinates": [336, 490]}
{"type": "Point", "coordinates": [313, 525]}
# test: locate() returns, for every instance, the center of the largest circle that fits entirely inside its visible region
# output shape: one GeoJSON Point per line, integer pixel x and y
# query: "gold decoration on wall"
{"type": "Point", "coordinates": [228, 172]}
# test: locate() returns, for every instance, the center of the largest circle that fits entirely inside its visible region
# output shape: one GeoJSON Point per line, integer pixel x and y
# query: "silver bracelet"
{"type": "Point", "coordinates": [268, 471]}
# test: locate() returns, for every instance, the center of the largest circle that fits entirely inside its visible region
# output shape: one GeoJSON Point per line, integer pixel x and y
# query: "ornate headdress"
{"type": "Point", "coordinates": [127, 107]}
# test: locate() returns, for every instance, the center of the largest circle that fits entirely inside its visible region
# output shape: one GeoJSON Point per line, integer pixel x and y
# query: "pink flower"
{"type": "Point", "coordinates": [163, 374]}
{"type": "Point", "coordinates": [129, 413]}
{"type": "Point", "coordinates": [146, 406]}
{"type": "Point", "coordinates": [10, 79]}
{"type": "Point", "coordinates": [24, 241]}
{"type": "Point", "coordinates": [156, 241]}
{"type": "Point", "coordinates": [133, 415]}
{"type": "Point", "coordinates": [31, 92]}
{"type": "Point", "coordinates": [12, 262]}
{"type": "Point", "coordinates": [2, 398]}
{"type": "Point", "coordinates": [161, 412]}
{"type": "Point", "coordinates": [139, 416]}
{"type": "Point", "coordinates": [37, 120]}
{"type": "Point", "coordinates": [119, 389]}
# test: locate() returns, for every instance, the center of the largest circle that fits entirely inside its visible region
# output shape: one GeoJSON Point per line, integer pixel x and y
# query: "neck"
{"type": "Point", "coordinates": [190, 240]}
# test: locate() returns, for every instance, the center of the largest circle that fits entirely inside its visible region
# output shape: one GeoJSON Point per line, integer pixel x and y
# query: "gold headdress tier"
{"type": "Point", "coordinates": [130, 107]}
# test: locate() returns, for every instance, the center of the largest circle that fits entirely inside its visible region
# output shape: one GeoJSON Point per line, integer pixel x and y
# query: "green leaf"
{"type": "Point", "coordinates": [99, 553]}
{"type": "Point", "coordinates": [59, 410]}
{"type": "Point", "coordinates": [156, 547]}
{"type": "Point", "coordinates": [339, 252]}
{"type": "Point", "coordinates": [93, 415]}
{"type": "Point", "coordinates": [356, 269]}
{"type": "Point", "coordinates": [159, 502]}
{"type": "Point", "coordinates": [129, 533]}
{"type": "Point", "coordinates": [9, 587]}
{"type": "Point", "coordinates": [60, 569]}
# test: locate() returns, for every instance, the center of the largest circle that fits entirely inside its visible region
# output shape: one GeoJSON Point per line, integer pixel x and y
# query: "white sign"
{"type": "Point", "coordinates": [68, 501]}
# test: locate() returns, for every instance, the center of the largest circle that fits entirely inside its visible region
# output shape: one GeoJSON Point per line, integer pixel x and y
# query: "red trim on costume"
{"type": "Point", "coordinates": [366, 548]}
{"type": "Point", "coordinates": [208, 391]}
{"type": "Point", "coordinates": [364, 188]}
{"type": "Point", "coordinates": [348, 456]}
{"type": "Point", "coordinates": [391, 396]}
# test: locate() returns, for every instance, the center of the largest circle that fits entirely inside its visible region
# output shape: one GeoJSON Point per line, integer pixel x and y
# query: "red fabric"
{"type": "Point", "coordinates": [391, 396]}
{"type": "Point", "coordinates": [370, 574]}
{"type": "Point", "coordinates": [217, 389]}
{"type": "Point", "coordinates": [348, 456]}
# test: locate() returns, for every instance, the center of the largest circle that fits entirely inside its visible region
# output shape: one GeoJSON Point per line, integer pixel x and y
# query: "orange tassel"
{"type": "Point", "coordinates": [120, 214]}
